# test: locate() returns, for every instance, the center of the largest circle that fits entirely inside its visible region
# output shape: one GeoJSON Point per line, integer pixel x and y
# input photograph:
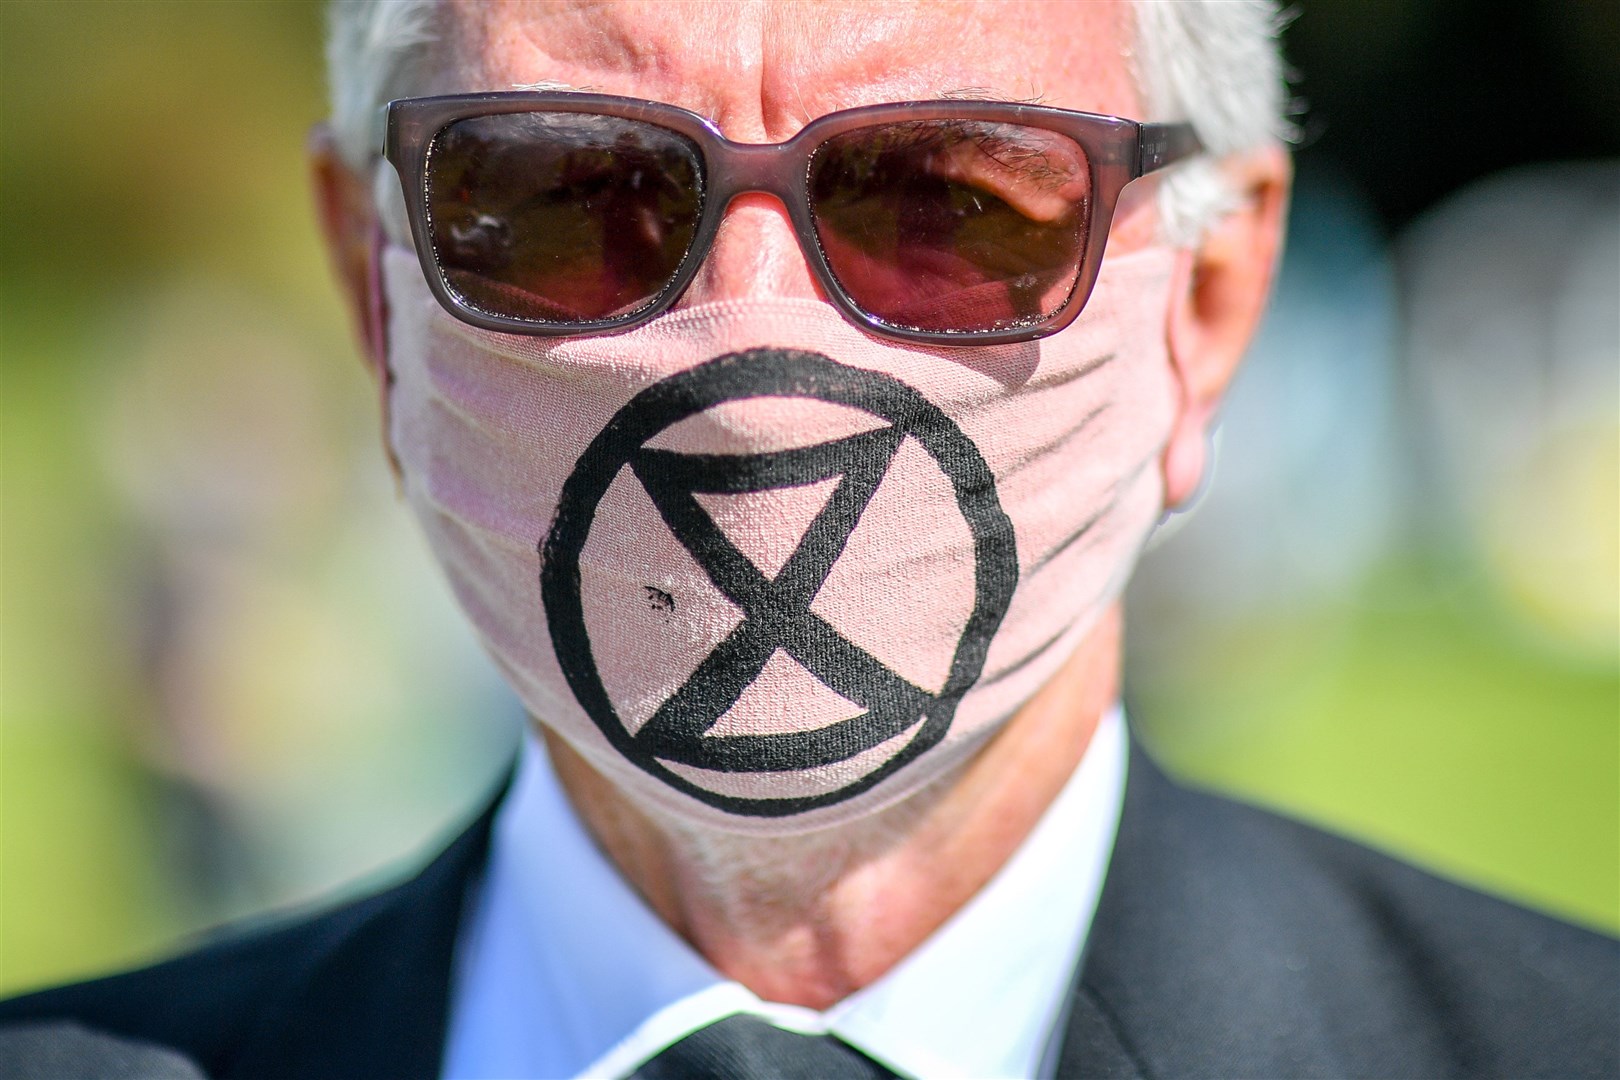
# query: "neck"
{"type": "Point", "coordinates": [808, 920]}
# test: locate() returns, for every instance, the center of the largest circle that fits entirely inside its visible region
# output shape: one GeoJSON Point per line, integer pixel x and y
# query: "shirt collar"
{"type": "Point", "coordinates": [565, 971]}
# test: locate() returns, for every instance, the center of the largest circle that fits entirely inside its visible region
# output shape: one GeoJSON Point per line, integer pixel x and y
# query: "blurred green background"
{"type": "Point", "coordinates": [231, 679]}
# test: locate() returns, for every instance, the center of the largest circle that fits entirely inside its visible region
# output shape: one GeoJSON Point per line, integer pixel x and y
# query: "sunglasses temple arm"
{"type": "Point", "coordinates": [1159, 145]}
{"type": "Point", "coordinates": [379, 130]}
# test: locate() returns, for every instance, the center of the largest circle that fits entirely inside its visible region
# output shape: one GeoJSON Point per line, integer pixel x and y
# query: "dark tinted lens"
{"type": "Point", "coordinates": [561, 217]}
{"type": "Point", "coordinates": [952, 224]}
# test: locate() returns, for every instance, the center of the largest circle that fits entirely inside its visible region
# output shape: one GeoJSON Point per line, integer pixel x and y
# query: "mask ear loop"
{"type": "Point", "coordinates": [377, 338]}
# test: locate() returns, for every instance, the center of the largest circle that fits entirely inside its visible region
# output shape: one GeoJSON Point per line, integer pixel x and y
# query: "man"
{"type": "Point", "coordinates": [794, 489]}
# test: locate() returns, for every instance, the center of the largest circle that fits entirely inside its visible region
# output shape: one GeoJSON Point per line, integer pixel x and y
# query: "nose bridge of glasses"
{"type": "Point", "coordinates": [741, 168]}
{"type": "Point", "coordinates": [750, 246]}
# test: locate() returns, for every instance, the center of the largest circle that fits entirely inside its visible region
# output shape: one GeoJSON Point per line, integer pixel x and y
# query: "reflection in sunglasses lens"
{"type": "Point", "coordinates": [952, 225]}
{"type": "Point", "coordinates": [561, 217]}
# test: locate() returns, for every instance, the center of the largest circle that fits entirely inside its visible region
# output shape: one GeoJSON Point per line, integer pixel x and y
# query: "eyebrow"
{"type": "Point", "coordinates": [553, 86]}
{"type": "Point", "coordinates": [989, 93]}
{"type": "Point", "coordinates": [955, 93]}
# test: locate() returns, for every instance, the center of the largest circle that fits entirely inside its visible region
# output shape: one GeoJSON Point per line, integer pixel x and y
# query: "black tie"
{"type": "Point", "coordinates": [743, 1047]}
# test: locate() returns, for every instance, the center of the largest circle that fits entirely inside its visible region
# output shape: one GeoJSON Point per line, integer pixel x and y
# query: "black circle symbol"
{"type": "Point", "coordinates": [776, 611]}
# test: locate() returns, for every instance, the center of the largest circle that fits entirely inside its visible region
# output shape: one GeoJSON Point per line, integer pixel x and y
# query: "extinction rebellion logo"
{"type": "Point", "coordinates": [777, 613]}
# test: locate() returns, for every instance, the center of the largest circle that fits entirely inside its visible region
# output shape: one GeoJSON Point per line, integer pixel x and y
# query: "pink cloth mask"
{"type": "Point", "coordinates": [766, 572]}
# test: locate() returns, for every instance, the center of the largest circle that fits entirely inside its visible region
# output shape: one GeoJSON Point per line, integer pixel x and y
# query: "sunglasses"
{"type": "Point", "coordinates": [940, 222]}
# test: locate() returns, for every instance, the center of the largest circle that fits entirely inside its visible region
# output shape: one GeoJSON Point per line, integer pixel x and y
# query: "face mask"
{"type": "Point", "coordinates": [765, 572]}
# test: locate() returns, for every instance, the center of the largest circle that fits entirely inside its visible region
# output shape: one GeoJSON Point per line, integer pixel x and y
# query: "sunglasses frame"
{"type": "Point", "coordinates": [1118, 151]}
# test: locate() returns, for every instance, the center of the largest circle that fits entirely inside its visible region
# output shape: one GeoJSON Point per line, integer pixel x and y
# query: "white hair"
{"type": "Point", "coordinates": [1217, 65]}
{"type": "Point", "coordinates": [1213, 63]}
{"type": "Point", "coordinates": [376, 50]}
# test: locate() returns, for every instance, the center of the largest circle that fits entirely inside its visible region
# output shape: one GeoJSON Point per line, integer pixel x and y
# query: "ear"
{"type": "Point", "coordinates": [349, 225]}
{"type": "Point", "coordinates": [1218, 296]}
{"type": "Point", "coordinates": [353, 236]}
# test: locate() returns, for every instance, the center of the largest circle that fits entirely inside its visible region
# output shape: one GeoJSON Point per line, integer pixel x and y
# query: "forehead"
{"type": "Point", "coordinates": [762, 69]}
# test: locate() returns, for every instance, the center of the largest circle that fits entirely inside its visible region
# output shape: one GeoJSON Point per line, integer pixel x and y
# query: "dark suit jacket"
{"type": "Point", "coordinates": [1228, 942]}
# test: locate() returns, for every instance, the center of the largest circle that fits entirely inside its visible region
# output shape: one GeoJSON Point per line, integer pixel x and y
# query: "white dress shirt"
{"type": "Point", "coordinates": [563, 971]}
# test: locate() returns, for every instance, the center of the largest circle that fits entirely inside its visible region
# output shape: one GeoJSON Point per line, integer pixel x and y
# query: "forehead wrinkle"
{"type": "Point", "coordinates": [706, 56]}
{"type": "Point", "coordinates": [762, 71]}
{"type": "Point", "coordinates": [1074, 56]}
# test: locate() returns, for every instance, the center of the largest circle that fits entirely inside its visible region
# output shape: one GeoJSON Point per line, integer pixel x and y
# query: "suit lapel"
{"type": "Point", "coordinates": [1091, 1044]}
{"type": "Point", "coordinates": [1206, 955]}
{"type": "Point", "coordinates": [372, 999]}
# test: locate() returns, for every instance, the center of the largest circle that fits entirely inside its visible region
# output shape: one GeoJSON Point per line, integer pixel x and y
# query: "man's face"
{"type": "Point", "coordinates": [865, 557]}
{"type": "Point", "coordinates": [762, 70]}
